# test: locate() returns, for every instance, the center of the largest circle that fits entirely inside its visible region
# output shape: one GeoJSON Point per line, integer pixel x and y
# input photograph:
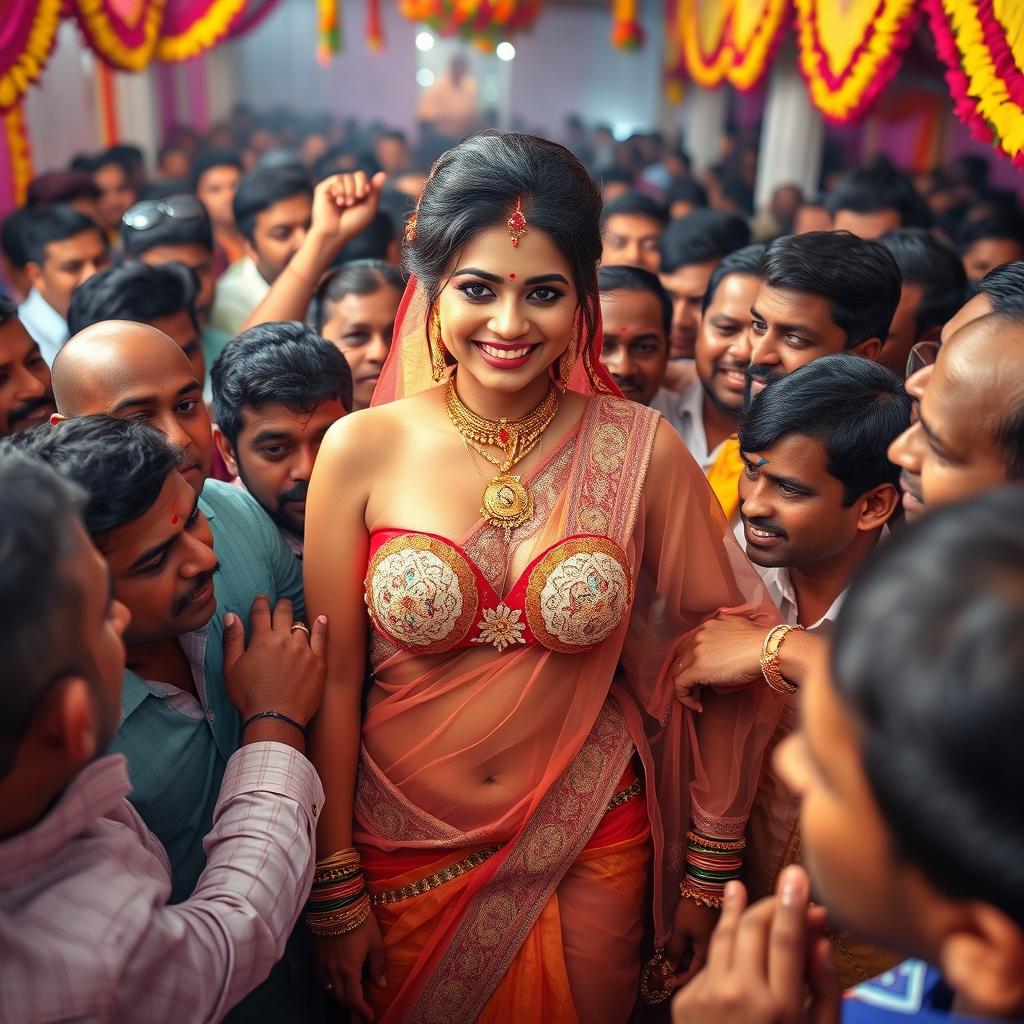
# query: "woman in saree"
{"type": "Point", "coordinates": [517, 553]}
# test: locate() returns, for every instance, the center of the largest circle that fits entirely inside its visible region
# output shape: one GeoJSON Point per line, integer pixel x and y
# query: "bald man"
{"type": "Point", "coordinates": [133, 371]}
{"type": "Point", "coordinates": [969, 435]}
{"type": "Point", "coordinates": [177, 742]}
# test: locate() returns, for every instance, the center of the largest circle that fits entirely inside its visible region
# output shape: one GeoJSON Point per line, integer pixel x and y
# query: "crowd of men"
{"type": "Point", "coordinates": [173, 352]}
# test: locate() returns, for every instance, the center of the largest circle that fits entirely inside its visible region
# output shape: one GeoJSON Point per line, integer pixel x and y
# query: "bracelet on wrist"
{"type": "Point", "coordinates": [770, 667]}
{"type": "Point", "coordinates": [275, 716]}
{"type": "Point", "coordinates": [711, 862]}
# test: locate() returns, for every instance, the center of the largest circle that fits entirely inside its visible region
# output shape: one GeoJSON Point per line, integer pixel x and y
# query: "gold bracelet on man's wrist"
{"type": "Point", "coordinates": [770, 667]}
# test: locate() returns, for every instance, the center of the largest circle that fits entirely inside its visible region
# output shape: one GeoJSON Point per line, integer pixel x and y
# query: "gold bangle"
{"type": "Point", "coordinates": [770, 659]}
{"type": "Point", "coordinates": [698, 896]}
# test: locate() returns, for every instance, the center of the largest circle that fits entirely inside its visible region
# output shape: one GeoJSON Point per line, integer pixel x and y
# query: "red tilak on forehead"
{"type": "Point", "coordinates": [511, 277]}
{"type": "Point", "coordinates": [175, 519]}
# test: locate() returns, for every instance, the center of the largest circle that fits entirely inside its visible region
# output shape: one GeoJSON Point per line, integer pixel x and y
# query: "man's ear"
{"type": "Point", "coordinates": [983, 960]}
{"type": "Point", "coordinates": [249, 250]}
{"type": "Point", "coordinates": [34, 273]}
{"type": "Point", "coordinates": [227, 453]}
{"type": "Point", "coordinates": [68, 724]}
{"type": "Point", "coordinates": [870, 348]}
{"type": "Point", "coordinates": [877, 507]}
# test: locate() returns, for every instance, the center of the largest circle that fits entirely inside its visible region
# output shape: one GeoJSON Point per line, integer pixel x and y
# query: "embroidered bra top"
{"type": "Point", "coordinates": [426, 595]}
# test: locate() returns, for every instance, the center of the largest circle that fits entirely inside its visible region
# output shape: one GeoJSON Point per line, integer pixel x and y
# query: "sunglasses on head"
{"type": "Point", "coordinates": [923, 354]}
{"type": "Point", "coordinates": [150, 212]}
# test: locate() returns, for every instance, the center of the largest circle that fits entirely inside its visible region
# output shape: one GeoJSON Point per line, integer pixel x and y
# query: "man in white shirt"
{"type": "Point", "coordinates": [707, 410]}
{"type": "Point", "coordinates": [816, 495]}
{"type": "Point", "coordinates": [64, 248]}
{"type": "Point", "coordinates": [273, 210]}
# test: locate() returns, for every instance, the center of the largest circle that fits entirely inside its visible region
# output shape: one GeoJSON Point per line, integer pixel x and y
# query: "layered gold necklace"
{"type": "Point", "coordinates": [506, 502]}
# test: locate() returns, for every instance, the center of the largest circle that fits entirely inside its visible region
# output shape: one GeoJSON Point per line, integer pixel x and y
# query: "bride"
{"type": "Point", "coordinates": [510, 555]}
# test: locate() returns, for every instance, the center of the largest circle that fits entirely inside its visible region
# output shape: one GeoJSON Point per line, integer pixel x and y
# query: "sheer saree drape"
{"type": "Point", "coordinates": [563, 728]}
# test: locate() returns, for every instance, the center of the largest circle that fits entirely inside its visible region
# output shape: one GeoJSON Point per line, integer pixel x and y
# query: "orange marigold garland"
{"type": "Point", "coordinates": [25, 45]}
{"type": "Point", "coordinates": [982, 45]}
{"type": "Point", "coordinates": [19, 152]}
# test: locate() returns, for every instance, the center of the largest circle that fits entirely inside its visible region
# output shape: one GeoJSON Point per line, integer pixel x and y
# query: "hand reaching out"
{"type": "Point", "coordinates": [766, 964]}
{"type": "Point", "coordinates": [343, 206]}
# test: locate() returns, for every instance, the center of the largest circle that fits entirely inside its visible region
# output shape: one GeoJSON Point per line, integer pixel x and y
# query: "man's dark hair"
{"type": "Point", "coordinates": [1004, 287]}
{"type": "Point", "coordinates": [1009, 422]}
{"type": "Point", "coordinates": [12, 237]}
{"type": "Point", "coordinates": [1006, 227]}
{"type": "Point", "coordinates": [860, 278]}
{"type": "Point", "coordinates": [614, 176]}
{"type": "Point", "coordinates": [636, 204]}
{"type": "Point", "coordinates": [61, 187]}
{"type": "Point", "coordinates": [283, 362]}
{"type": "Point", "coordinates": [134, 291]}
{"type": "Point", "coordinates": [701, 236]}
{"type": "Point", "coordinates": [372, 243]}
{"type": "Point", "coordinates": [125, 155]}
{"type": "Point", "coordinates": [394, 134]}
{"type": "Point", "coordinates": [924, 260]}
{"type": "Point", "coordinates": [194, 229]}
{"type": "Point", "coordinates": [121, 465]}
{"type": "Point", "coordinates": [743, 261]}
{"type": "Point", "coordinates": [8, 310]}
{"type": "Point", "coordinates": [634, 279]}
{"type": "Point", "coordinates": [686, 190]}
{"type": "Point", "coordinates": [878, 188]}
{"type": "Point", "coordinates": [855, 407]}
{"type": "Point", "coordinates": [208, 159]}
{"type": "Point", "coordinates": [53, 224]}
{"type": "Point", "coordinates": [940, 608]}
{"type": "Point", "coordinates": [358, 277]}
{"type": "Point", "coordinates": [40, 605]}
{"type": "Point", "coordinates": [261, 189]}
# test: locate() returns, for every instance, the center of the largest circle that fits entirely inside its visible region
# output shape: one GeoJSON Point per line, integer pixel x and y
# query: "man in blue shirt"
{"type": "Point", "coordinates": [909, 771]}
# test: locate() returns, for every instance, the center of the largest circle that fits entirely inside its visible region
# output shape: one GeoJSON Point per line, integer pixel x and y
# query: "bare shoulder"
{"type": "Point", "coordinates": [367, 439]}
{"type": "Point", "coordinates": [669, 452]}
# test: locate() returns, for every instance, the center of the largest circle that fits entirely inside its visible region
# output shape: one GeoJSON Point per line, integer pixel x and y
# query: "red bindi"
{"type": "Point", "coordinates": [511, 277]}
{"type": "Point", "coordinates": [175, 519]}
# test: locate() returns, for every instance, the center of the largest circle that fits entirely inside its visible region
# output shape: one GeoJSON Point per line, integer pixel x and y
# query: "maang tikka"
{"type": "Point", "coordinates": [517, 223]}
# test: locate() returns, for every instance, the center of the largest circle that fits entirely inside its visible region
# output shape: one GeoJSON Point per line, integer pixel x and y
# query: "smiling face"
{"type": "Point", "coordinates": [635, 350]}
{"type": "Point", "coordinates": [507, 312]}
{"type": "Point", "coordinates": [792, 507]}
{"type": "Point", "coordinates": [361, 327]}
{"type": "Point", "coordinates": [952, 451]}
{"type": "Point", "coordinates": [26, 395]}
{"type": "Point", "coordinates": [723, 342]}
{"type": "Point", "coordinates": [163, 565]}
{"type": "Point", "coordinates": [274, 456]}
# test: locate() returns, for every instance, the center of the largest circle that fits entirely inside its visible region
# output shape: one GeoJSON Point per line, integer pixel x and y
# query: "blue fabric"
{"type": "Point", "coordinates": [176, 763]}
{"type": "Point", "coordinates": [912, 990]}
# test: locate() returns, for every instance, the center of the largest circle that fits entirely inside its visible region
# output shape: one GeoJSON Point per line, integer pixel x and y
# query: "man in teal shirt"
{"type": "Point", "coordinates": [179, 726]}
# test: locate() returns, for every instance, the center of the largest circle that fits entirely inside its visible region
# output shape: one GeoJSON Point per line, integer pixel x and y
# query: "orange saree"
{"type": "Point", "coordinates": [525, 900]}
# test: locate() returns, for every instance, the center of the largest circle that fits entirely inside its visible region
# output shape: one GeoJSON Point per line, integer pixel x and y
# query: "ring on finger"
{"type": "Point", "coordinates": [302, 626]}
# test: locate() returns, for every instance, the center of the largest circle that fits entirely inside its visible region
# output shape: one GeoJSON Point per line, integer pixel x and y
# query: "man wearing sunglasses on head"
{"type": "Point", "coordinates": [178, 230]}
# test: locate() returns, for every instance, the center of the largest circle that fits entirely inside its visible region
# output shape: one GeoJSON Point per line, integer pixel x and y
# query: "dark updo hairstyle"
{"type": "Point", "coordinates": [475, 186]}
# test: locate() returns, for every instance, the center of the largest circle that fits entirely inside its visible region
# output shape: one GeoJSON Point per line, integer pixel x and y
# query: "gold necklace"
{"type": "Point", "coordinates": [506, 502]}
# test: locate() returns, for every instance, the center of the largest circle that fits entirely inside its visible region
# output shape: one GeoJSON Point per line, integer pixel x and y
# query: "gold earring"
{"type": "Point", "coordinates": [438, 366]}
{"type": "Point", "coordinates": [567, 360]}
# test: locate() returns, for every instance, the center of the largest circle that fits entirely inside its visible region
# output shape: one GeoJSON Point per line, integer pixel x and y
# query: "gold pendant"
{"type": "Point", "coordinates": [507, 503]}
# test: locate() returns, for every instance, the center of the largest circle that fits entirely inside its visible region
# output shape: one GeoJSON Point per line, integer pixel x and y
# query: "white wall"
{"type": "Point", "coordinates": [567, 65]}
{"type": "Point", "coordinates": [276, 64]}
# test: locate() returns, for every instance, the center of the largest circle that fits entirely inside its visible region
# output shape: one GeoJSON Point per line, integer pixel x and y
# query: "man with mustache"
{"type": "Point", "coordinates": [821, 293]}
{"type": "Point", "coordinates": [968, 436]}
{"type": "Point", "coordinates": [277, 389]}
{"type": "Point", "coordinates": [1001, 291]}
{"type": "Point", "coordinates": [181, 563]}
{"type": "Point", "coordinates": [815, 496]}
{"type": "Point", "coordinates": [26, 394]}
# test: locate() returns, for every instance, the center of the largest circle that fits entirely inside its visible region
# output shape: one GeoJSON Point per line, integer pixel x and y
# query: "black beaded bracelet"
{"type": "Point", "coordinates": [276, 715]}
